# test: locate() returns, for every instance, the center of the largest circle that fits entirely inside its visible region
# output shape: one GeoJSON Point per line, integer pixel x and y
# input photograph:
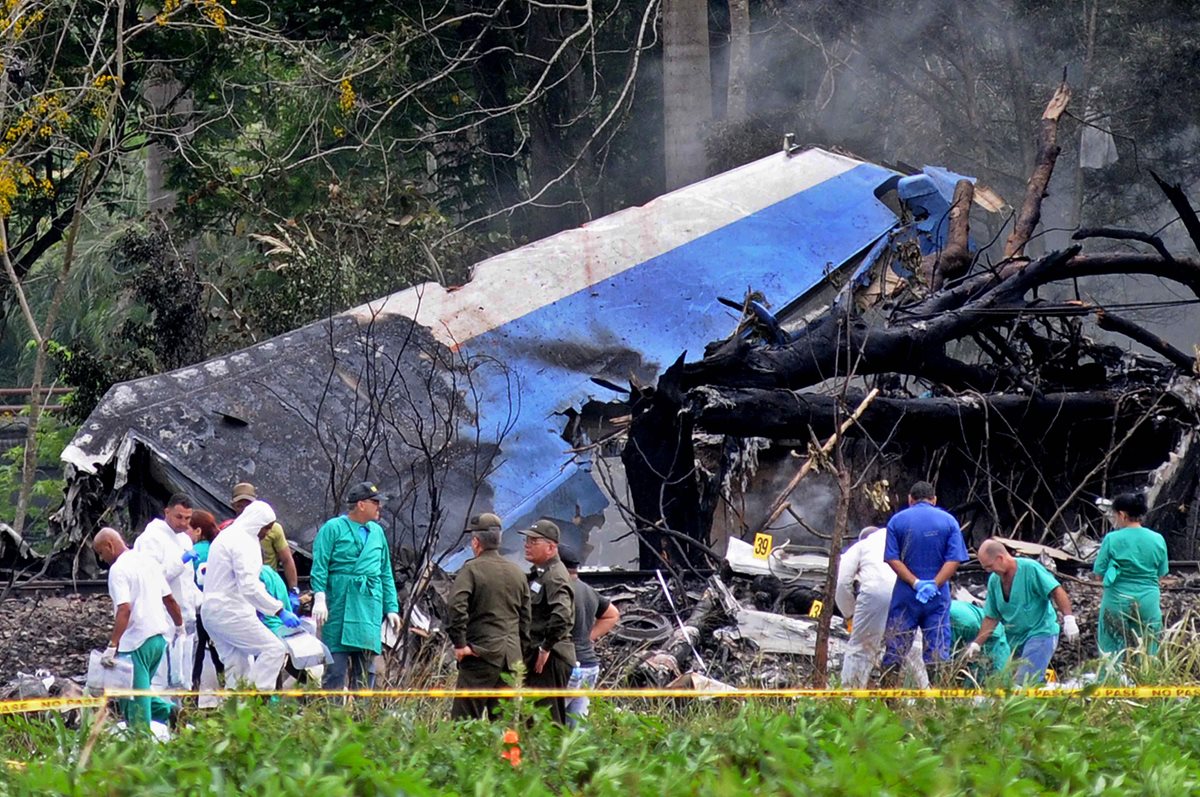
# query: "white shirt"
{"type": "Point", "coordinates": [863, 562]}
{"type": "Point", "coordinates": [160, 542]}
{"type": "Point", "coordinates": [137, 580]}
{"type": "Point", "coordinates": [234, 565]}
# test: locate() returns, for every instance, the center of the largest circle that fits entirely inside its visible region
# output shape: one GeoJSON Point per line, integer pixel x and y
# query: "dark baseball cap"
{"type": "Point", "coordinates": [543, 529]}
{"type": "Point", "coordinates": [569, 557]}
{"type": "Point", "coordinates": [364, 491]}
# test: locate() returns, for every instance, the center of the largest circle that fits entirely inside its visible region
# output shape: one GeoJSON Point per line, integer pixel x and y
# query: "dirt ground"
{"type": "Point", "coordinates": [53, 633]}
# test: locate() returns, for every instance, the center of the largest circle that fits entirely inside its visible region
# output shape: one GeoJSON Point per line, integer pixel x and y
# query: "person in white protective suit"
{"type": "Point", "coordinates": [166, 540]}
{"type": "Point", "coordinates": [233, 592]}
{"type": "Point", "coordinates": [867, 612]}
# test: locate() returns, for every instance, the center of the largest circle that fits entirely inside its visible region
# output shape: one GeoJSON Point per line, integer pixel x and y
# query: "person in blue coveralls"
{"type": "Point", "coordinates": [925, 547]}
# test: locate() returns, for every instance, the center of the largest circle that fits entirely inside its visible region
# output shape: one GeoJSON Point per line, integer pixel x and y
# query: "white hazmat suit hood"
{"type": "Point", "coordinates": [233, 591]}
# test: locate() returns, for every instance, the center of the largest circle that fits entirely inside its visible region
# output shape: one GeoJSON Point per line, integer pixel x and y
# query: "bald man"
{"type": "Point", "coordinates": [142, 601]}
{"type": "Point", "coordinates": [1023, 594]}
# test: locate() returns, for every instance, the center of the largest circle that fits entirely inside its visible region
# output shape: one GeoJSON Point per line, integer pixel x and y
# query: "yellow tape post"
{"type": "Point", "coordinates": [1119, 692]}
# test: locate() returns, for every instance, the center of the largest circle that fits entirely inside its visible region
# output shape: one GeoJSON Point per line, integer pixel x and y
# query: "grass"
{"type": "Point", "coordinates": [1016, 746]}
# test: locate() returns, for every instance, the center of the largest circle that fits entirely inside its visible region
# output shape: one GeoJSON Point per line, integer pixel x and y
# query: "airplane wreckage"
{"type": "Point", "coordinates": [654, 379]}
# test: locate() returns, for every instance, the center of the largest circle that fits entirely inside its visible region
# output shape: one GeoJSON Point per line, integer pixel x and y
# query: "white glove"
{"type": "Point", "coordinates": [109, 657]}
{"type": "Point", "coordinates": [394, 622]}
{"type": "Point", "coordinates": [972, 650]}
{"type": "Point", "coordinates": [1070, 628]}
{"type": "Point", "coordinates": [320, 612]}
{"type": "Point", "coordinates": [178, 634]}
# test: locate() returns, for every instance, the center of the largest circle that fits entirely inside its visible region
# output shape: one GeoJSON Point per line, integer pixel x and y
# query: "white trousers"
{"type": "Point", "coordinates": [866, 642]}
{"type": "Point", "coordinates": [249, 651]}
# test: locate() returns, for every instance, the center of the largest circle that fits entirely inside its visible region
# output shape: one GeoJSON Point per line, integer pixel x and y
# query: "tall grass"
{"type": "Point", "coordinates": [1015, 746]}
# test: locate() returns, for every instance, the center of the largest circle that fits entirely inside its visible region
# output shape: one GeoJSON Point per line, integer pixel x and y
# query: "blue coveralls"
{"type": "Point", "coordinates": [924, 537]}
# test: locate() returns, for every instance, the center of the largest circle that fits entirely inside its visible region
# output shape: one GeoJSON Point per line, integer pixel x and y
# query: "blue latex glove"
{"type": "Point", "coordinates": [294, 599]}
{"type": "Point", "coordinates": [189, 556]}
{"type": "Point", "coordinates": [289, 618]}
{"type": "Point", "coordinates": [926, 590]}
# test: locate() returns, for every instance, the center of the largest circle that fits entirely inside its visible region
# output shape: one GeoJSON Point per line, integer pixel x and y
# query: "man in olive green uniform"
{"type": "Point", "coordinates": [353, 589]}
{"type": "Point", "coordinates": [550, 655]}
{"type": "Point", "coordinates": [489, 618]}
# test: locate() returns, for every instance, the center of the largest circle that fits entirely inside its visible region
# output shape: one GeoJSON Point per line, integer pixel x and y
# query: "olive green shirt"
{"type": "Point", "coordinates": [553, 597]}
{"type": "Point", "coordinates": [272, 544]}
{"type": "Point", "coordinates": [489, 610]}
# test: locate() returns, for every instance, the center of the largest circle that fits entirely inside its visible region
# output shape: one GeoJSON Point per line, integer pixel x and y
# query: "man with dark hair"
{"type": "Point", "coordinates": [166, 541]}
{"type": "Point", "coordinates": [354, 589]}
{"type": "Point", "coordinates": [550, 656]}
{"type": "Point", "coordinates": [489, 618]}
{"type": "Point", "coordinates": [595, 616]}
{"type": "Point", "coordinates": [924, 547]}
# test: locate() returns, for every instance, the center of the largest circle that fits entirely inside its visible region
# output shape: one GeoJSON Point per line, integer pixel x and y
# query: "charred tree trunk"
{"type": "Point", "coordinates": [659, 461]}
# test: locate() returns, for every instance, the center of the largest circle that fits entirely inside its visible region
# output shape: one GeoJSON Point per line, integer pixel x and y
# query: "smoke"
{"type": "Point", "coordinates": [963, 85]}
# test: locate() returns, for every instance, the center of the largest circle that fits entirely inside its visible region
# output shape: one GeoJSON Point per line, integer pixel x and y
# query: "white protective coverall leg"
{"type": "Point", "coordinates": [863, 563]}
{"type": "Point", "coordinates": [866, 643]}
{"type": "Point", "coordinates": [233, 593]}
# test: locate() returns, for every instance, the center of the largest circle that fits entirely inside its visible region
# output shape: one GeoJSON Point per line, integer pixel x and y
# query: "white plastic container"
{"type": "Point", "coordinates": [101, 678]}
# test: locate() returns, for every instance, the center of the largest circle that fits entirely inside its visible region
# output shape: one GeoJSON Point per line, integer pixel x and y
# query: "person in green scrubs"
{"type": "Point", "coordinates": [278, 590]}
{"type": "Point", "coordinates": [354, 589]}
{"type": "Point", "coordinates": [965, 621]}
{"type": "Point", "coordinates": [1023, 594]}
{"type": "Point", "coordinates": [1131, 560]}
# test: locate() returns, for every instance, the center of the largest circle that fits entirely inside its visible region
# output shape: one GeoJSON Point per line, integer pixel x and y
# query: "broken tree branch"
{"type": "Point", "coordinates": [1035, 190]}
{"type": "Point", "coordinates": [748, 412]}
{"type": "Point", "coordinates": [955, 259]}
{"type": "Point", "coordinates": [1120, 234]}
{"type": "Point", "coordinates": [1179, 201]}
{"type": "Point", "coordinates": [1123, 326]}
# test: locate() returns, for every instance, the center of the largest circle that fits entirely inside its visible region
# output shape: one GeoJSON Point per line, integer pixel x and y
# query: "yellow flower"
{"type": "Point", "coordinates": [215, 14]}
{"type": "Point", "coordinates": [346, 96]}
{"type": "Point", "coordinates": [81, 156]}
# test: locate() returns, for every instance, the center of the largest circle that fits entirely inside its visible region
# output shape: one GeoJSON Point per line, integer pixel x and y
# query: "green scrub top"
{"type": "Point", "coordinates": [354, 570]}
{"type": "Point", "coordinates": [965, 621]}
{"type": "Point", "coordinates": [1027, 612]}
{"type": "Point", "coordinates": [1133, 558]}
{"type": "Point", "coordinates": [274, 584]}
{"type": "Point", "coordinates": [1131, 561]}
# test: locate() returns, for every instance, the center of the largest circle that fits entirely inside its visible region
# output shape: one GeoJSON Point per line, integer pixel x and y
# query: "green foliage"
{"type": "Point", "coordinates": [1015, 746]}
{"type": "Point", "coordinates": [52, 437]}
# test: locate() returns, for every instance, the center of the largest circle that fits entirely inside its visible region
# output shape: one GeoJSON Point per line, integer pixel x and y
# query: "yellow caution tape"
{"type": "Point", "coordinates": [49, 704]}
{"type": "Point", "coordinates": [1098, 692]}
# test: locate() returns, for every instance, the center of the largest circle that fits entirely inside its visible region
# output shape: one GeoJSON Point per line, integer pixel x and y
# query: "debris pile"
{"type": "Point", "coordinates": [52, 633]}
{"type": "Point", "coordinates": [732, 629]}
